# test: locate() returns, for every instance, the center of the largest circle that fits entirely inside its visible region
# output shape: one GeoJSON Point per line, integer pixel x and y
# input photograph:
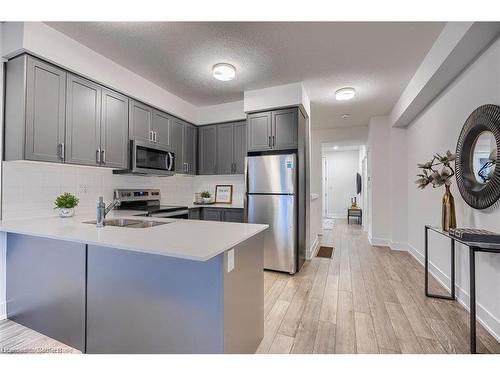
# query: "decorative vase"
{"type": "Point", "coordinates": [66, 212]}
{"type": "Point", "coordinates": [448, 220]}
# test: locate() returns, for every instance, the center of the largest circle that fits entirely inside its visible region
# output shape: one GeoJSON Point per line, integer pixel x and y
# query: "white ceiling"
{"type": "Point", "coordinates": [378, 59]}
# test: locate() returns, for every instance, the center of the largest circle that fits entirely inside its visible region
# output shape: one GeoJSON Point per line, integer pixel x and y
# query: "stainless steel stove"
{"type": "Point", "coordinates": [148, 200]}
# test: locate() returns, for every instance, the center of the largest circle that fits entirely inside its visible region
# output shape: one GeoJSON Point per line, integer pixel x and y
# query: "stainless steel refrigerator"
{"type": "Point", "coordinates": [272, 199]}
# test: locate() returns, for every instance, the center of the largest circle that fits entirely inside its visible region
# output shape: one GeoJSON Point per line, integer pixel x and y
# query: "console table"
{"type": "Point", "coordinates": [355, 212]}
{"type": "Point", "coordinates": [474, 247]}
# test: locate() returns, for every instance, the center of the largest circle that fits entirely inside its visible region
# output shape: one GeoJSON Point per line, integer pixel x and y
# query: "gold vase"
{"type": "Point", "coordinates": [449, 220]}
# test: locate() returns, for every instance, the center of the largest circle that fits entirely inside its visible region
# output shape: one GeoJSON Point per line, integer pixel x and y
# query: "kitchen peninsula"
{"type": "Point", "coordinates": [180, 286]}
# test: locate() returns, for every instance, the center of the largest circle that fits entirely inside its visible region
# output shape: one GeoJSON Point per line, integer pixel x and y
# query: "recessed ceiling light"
{"type": "Point", "coordinates": [345, 115]}
{"type": "Point", "coordinates": [224, 72]}
{"type": "Point", "coordinates": [345, 93]}
{"type": "Point", "coordinates": [335, 147]}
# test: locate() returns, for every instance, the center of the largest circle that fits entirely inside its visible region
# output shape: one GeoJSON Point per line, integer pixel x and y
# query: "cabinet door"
{"type": "Point", "coordinates": [213, 214]}
{"type": "Point", "coordinates": [285, 128]}
{"type": "Point", "coordinates": [225, 148]}
{"type": "Point", "coordinates": [83, 121]}
{"type": "Point", "coordinates": [194, 214]}
{"type": "Point", "coordinates": [233, 215]}
{"type": "Point", "coordinates": [207, 156]}
{"type": "Point", "coordinates": [259, 131]}
{"type": "Point", "coordinates": [239, 147]}
{"type": "Point", "coordinates": [176, 134]}
{"type": "Point", "coordinates": [140, 118]}
{"type": "Point", "coordinates": [114, 129]}
{"type": "Point", "coordinates": [161, 127]}
{"type": "Point", "coordinates": [190, 149]}
{"type": "Point", "coordinates": [45, 111]}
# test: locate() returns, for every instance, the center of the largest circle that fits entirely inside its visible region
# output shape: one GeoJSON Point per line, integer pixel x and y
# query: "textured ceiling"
{"type": "Point", "coordinates": [378, 59]}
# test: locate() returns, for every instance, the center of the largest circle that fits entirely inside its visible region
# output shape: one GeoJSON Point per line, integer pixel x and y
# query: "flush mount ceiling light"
{"type": "Point", "coordinates": [345, 93]}
{"type": "Point", "coordinates": [335, 147]}
{"type": "Point", "coordinates": [345, 115]}
{"type": "Point", "coordinates": [224, 72]}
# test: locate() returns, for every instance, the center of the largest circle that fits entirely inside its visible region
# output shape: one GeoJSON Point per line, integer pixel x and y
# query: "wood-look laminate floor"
{"type": "Point", "coordinates": [366, 299]}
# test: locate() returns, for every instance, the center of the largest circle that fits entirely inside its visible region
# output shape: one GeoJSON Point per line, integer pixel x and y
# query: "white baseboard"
{"type": "Point", "coordinates": [484, 317]}
{"type": "Point", "coordinates": [314, 247]}
{"type": "Point", "coordinates": [398, 246]}
{"type": "Point", "coordinates": [378, 241]}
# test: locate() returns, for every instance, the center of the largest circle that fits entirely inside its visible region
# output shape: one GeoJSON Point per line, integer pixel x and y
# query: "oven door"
{"type": "Point", "coordinates": [151, 159]}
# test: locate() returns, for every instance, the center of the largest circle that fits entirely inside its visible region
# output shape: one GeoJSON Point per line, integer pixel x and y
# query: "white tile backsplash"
{"type": "Point", "coordinates": [30, 188]}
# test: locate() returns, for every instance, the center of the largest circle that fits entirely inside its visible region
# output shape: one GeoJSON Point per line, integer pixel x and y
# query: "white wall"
{"type": "Point", "coordinates": [292, 94]}
{"type": "Point", "coordinates": [341, 173]}
{"type": "Point", "coordinates": [437, 130]}
{"type": "Point", "coordinates": [221, 113]}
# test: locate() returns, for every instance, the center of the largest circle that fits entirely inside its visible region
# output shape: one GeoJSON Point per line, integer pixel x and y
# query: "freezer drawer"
{"type": "Point", "coordinates": [278, 211]}
{"type": "Point", "coordinates": [271, 174]}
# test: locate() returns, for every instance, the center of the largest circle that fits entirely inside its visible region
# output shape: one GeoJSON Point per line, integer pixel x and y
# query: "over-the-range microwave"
{"type": "Point", "coordinates": [149, 159]}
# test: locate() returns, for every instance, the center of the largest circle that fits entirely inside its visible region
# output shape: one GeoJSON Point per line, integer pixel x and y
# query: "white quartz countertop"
{"type": "Point", "coordinates": [186, 239]}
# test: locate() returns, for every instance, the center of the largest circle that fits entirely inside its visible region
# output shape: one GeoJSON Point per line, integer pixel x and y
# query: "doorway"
{"type": "Point", "coordinates": [344, 176]}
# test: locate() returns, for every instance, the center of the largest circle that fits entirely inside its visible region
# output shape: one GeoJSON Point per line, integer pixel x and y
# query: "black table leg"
{"type": "Point", "coordinates": [472, 302]}
{"type": "Point", "coordinates": [452, 281]}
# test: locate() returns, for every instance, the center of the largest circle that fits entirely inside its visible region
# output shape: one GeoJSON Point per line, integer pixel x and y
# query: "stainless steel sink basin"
{"type": "Point", "coordinates": [129, 223]}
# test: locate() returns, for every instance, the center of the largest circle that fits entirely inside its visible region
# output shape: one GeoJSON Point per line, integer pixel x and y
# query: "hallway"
{"type": "Point", "coordinates": [366, 299]}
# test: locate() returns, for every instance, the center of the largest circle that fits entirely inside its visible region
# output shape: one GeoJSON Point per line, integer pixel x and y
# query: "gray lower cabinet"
{"type": "Point", "coordinates": [83, 121]}
{"type": "Point", "coordinates": [34, 110]}
{"type": "Point", "coordinates": [235, 215]}
{"type": "Point", "coordinates": [161, 128]}
{"type": "Point", "coordinates": [189, 149]}
{"type": "Point", "coordinates": [114, 129]}
{"type": "Point", "coordinates": [213, 214]}
{"type": "Point", "coordinates": [273, 130]}
{"type": "Point", "coordinates": [45, 286]}
{"type": "Point", "coordinates": [207, 150]}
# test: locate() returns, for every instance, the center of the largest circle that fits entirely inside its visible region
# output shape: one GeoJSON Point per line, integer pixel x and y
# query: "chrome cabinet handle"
{"type": "Point", "coordinates": [155, 136]}
{"type": "Point", "coordinates": [103, 156]}
{"type": "Point", "coordinates": [98, 156]}
{"type": "Point", "coordinates": [60, 151]}
{"type": "Point", "coordinates": [274, 141]}
{"type": "Point", "coordinates": [269, 141]}
{"type": "Point", "coordinates": [151, 136]}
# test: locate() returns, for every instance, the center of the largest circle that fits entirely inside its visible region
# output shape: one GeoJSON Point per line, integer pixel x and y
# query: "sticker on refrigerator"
{"type": "Point", "coordinates": [289, 164]}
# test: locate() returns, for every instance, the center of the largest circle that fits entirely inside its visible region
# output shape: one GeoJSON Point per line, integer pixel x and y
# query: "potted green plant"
{"type": "Point", "coordinates": [66, 204]}
{"type": "Point", "coordinates": [206, 196]}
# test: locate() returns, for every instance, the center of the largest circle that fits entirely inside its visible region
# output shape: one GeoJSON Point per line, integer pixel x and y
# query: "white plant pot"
{"type": "Point", "coordinates": [206, 200]}
{"type": "Point", "coordinates": [66, 212]}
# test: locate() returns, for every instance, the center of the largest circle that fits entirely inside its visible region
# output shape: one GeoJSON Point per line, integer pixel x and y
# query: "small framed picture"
{"type": "Point", "coordinates": [224, 194]}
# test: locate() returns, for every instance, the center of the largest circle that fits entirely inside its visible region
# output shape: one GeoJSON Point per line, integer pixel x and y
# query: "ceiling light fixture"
{"type": "Point", "coordinates": [224, 72]}
{"type": "Point", "coordinates": [345, 93]}
{"type": "Point", "coordinates": [335, 147]}
{"type": "Point", "coordinates": [345, 115]}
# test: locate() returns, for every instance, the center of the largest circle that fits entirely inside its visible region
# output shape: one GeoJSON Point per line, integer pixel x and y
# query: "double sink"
{"type": "Point", "coordinates": [129, 223]}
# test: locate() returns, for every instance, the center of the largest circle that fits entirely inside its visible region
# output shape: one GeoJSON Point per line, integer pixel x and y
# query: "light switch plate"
{"type": "Point", "coordinates": [230, 260]}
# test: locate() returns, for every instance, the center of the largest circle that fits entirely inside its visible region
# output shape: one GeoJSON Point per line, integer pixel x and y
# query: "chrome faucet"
{"type": "Point", "coordinates": [102, 210]}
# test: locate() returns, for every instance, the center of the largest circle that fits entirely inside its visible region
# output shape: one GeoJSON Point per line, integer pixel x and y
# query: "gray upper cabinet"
{"type": "Point", "coordinates": [34, 110]}
{"type": "Point", "coordinates": [207, 149]}
{"type": "Point", "coordinates": [114, 129]}
{"type": "Point", "coordinates": [225, 135]}
{"type": "Point", "coordinates": [239, 147]}
{"type": "Point", "coordinates": [83, 121]}
{"type": "Point", "coordinates": [189, 149]}
{"type": "Point", "coordinates": [140, 121]}
{"type": "Point", "coordinates": [231, 148]}
{"type": "Point", "coordinates": [259, 131]}
{"type": "Point", "coordinates": [177, 143]}
{"type": "Point", "coordinates": [285, 129]}
{"type": "Point", "coordinates": [273, 130]}
{"type": "Point", "coordinates": [161, 128]}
